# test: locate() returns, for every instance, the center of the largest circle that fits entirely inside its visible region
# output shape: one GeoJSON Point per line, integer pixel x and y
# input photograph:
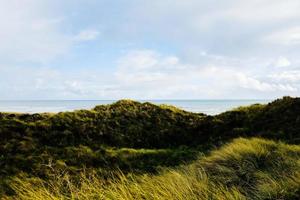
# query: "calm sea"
{"type": "Point", "coordinates": [204, 106]}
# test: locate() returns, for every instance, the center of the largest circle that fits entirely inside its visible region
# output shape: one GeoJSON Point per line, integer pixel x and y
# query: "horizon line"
{"type": "Point", "coordinates": [217, 99]}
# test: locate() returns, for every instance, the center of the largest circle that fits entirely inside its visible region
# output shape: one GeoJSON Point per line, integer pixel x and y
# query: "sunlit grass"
{"type": "Point", "coordinates": [242, 169]}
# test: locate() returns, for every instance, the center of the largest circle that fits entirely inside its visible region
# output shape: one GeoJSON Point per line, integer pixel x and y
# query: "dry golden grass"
{"type": "Point", "coordinates": [243, 169]}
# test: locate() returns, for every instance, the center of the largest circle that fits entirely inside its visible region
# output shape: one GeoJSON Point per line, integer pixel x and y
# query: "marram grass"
{"type": "Point", "coordinates": [243, 169]}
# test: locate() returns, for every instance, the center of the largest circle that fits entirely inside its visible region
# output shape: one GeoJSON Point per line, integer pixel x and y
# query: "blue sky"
{"type": "Point", "coordinates": [142, 49]}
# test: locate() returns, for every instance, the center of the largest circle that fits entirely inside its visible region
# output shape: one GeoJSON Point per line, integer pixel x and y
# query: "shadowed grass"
{"type": "Point", "coordinates": [243, 169]}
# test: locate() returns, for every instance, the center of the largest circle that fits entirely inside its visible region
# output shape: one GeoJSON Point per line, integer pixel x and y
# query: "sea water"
{"type": "Point", "coordinates": [210, 107]}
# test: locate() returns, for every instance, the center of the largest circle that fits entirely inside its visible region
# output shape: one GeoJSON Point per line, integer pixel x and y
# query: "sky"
{"type": "Point", "coordinates": [149, 49]}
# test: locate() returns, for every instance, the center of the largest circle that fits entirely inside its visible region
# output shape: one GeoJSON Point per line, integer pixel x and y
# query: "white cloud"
{"type": "Point", "coordinates": [32, 30]}
{"type": "Point", "coordinates": [165, 76]}
{"type": "Point", "coordinates": [46, 83]}
{"type": "Point", "coordinates": [219, 49]}
{"type": "Point", "coordinates": [252, 83]}
{"type": "Point", "coordinates": [263, 10]}
{"type": "Point", "coordinates": [229, 27]}
{"type": "Point", "coordinates": [246, 11]}
{"type": "Point", "coordinates": [282, 62]}
{"type": "Point", "coordinates": [290, 36]}
{"type": "Point", "coordinates": [290, 76]}
{"type": "Point", "coordinates": [147, 73]}
{"type": "Point", "coordinates": [29, 32]}
{"type": "Point", "coordinates": [87, 35]}
{"type": "Point", "coordinates": [142, 59]}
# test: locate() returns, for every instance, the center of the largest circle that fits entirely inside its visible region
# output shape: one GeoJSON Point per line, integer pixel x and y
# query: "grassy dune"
{"type": "Point", "coordinates": [131, 150]}
{"type": "Point", "coordinates": [243, 169]}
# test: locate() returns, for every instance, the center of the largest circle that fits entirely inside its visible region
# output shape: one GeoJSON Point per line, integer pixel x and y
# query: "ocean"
{"type": "Point", "coordinates": [210, 107]}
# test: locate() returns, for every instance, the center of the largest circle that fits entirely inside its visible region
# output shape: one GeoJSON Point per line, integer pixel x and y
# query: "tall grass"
{"type": "Point", "coordinates": [243, 169]}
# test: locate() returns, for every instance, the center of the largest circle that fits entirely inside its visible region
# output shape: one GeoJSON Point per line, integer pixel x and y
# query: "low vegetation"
{"type": "Point", "coordinates": [118, 151]}
{"type": "Point", "coordinates": [243, 169]}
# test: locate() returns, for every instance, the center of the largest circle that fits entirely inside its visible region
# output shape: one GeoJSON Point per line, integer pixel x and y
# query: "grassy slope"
{"type": "Point", "coordinates": [242, 169]}
{"type": "Point", "coordinates": [133, 136]}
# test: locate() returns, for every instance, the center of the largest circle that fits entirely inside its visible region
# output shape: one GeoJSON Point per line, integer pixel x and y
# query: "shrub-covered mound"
{"type": "Point", "coordinates": [242, 169]}
{"type": "Point", "coordinates": [128, 123]}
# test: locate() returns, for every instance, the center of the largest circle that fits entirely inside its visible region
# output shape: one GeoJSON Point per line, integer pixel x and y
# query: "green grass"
{"type": "Point", "coordinates": [243, 169]}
